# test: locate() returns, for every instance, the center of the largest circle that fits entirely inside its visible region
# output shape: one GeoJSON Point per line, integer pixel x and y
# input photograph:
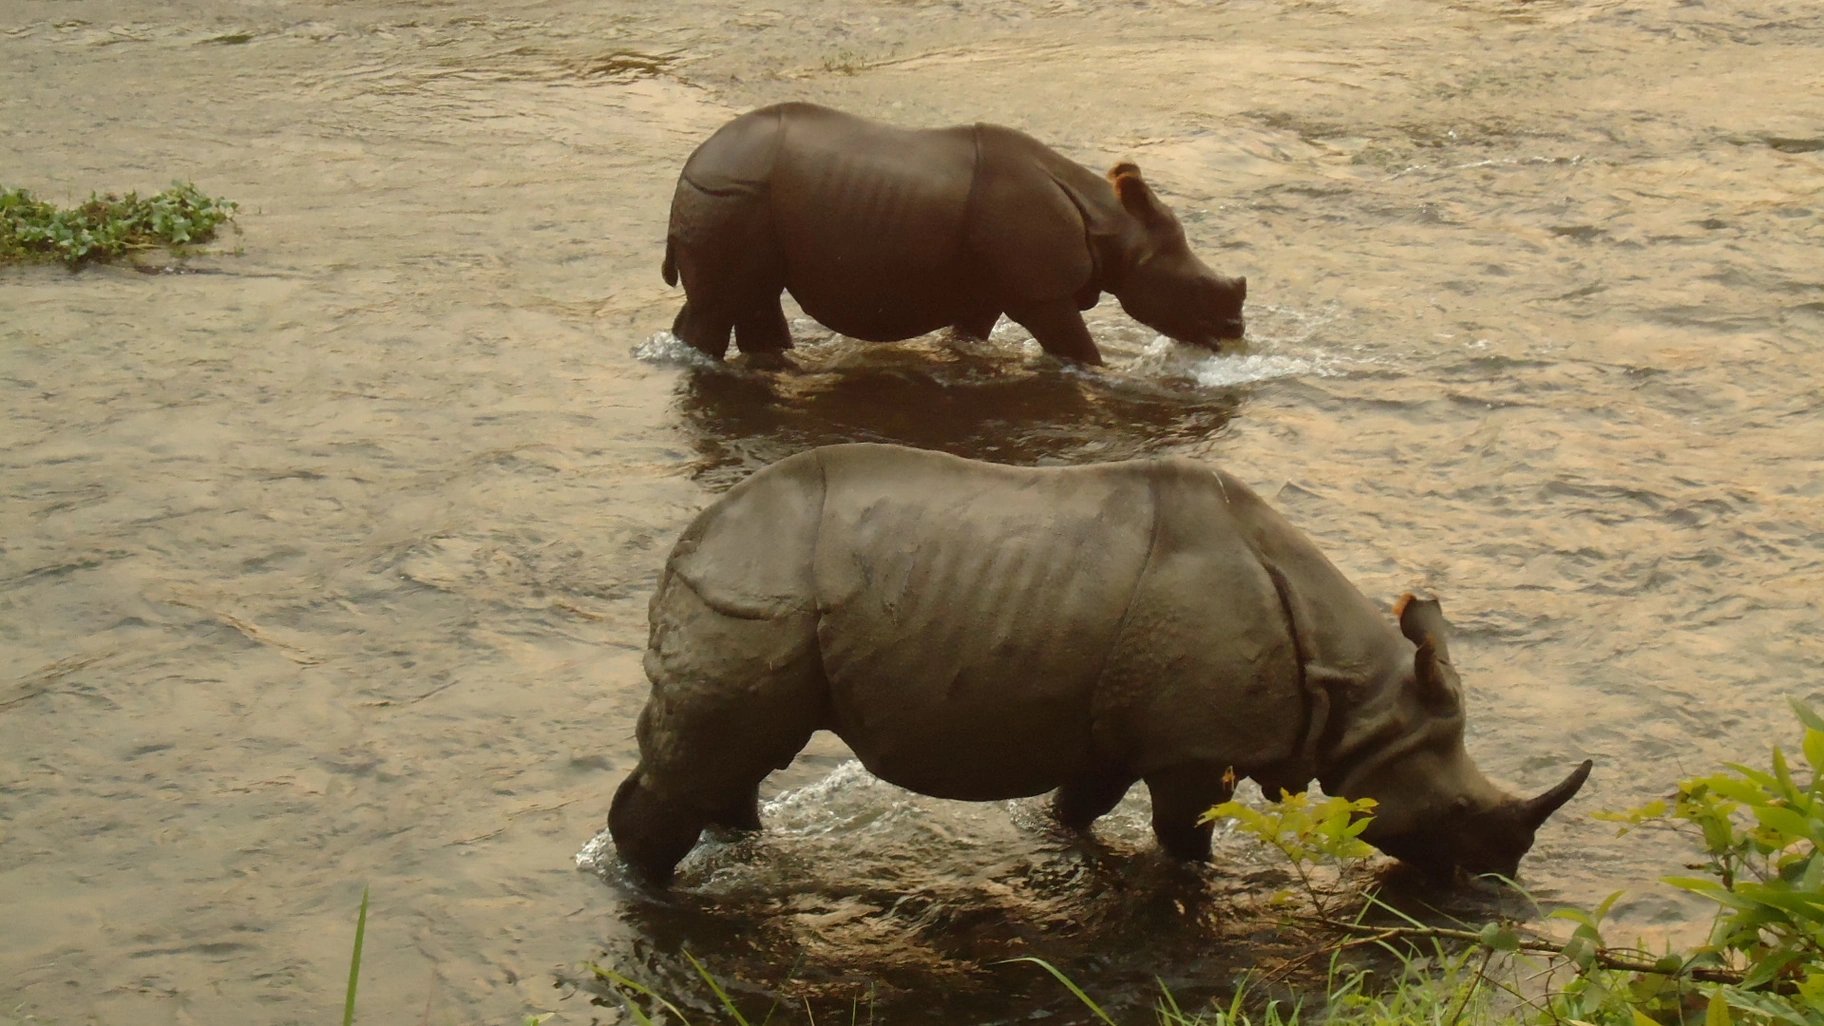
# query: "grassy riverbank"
{"type": "Point", "coordinates": [1760, 830]}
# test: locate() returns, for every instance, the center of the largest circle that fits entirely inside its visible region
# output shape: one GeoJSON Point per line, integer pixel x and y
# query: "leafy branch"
{"type": "Point", "coordinates": [1762, 831]}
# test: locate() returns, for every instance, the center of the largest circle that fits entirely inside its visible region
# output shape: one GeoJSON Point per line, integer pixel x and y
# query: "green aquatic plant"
{"type": "Point", "coordinates": [106, 227]}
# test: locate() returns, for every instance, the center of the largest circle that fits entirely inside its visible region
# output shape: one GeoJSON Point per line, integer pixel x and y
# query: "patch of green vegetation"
{"type": "Point", "coordinates": [845, 62]}
{"type": "Point", "coordinates": [106, 227]}
{"type": "Point", "coordinates": [1762, 834]}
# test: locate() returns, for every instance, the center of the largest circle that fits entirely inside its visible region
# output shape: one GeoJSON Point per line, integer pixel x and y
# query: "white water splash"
{"type": "Point", "coordinates": [664, 349]}
{"type": "Point", "coordinates": [1164, 358]}
{"type": "Point", "coordinates": [850, 811]}
{"type": "Point", "coordinates": [598, 856]}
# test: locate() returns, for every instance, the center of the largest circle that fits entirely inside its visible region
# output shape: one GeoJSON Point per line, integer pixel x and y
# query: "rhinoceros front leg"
{"type": "Point", "coordinates": [1181, 795]}
{"type": "Point", "coordinates": [763, 329]}
{"type": "Point", "coordinates": [1059, 329]}
{"type": "Point", "coordinates": [744, 814]}
{"type": "Point", "coordinates": [977, 324]}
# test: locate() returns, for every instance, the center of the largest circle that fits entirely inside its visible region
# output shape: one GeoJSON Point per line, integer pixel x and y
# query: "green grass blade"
{"type": "Point", "coordinates": [354, 962]}
{"type": "Point", "coordinates": [639, 988]}
{"type": "Point", "coordinates": [1069, 983]}
{"type": "Point", "coordinates": [721, 995]}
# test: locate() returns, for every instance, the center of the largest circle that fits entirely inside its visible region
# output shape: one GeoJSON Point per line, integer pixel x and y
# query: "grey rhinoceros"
{"type": "Point", "coordinates": [883, 233]}
{"type": "Point", "coordinates": [982, 632]}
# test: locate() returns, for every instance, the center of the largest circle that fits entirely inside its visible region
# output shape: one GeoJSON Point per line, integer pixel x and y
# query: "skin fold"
{"type": "Point", "coordinates": [884, 233]}
{"type": "Point", "coordinates": [984, 632]}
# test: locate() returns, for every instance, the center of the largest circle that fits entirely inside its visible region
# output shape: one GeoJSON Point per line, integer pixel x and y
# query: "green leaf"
{"type": "Point", "coordinates": [1718, 1012]}
{"type": "Point", "coordinates": [1500, 937]}
{"type": "Point", "coordinates": [1814, 753]}
{"type": "Point", "coordinates": [1576, 915]}
{"type": "Point", "coordinates": [1805, 714]}
{"type": "Point", "coordinates": [1764, 971]}
{"type": "Point", "coordinates": [1787, 822]}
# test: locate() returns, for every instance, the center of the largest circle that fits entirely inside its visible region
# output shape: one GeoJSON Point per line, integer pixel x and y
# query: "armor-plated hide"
{"type": "Point", "coordinates": [884, 233]}
{"type": "Point", "coordinates": [983, 632]}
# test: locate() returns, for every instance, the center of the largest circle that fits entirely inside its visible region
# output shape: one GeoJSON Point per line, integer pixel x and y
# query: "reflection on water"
{"type": "Point", "coordinates": [328, 568]}
{"type": "Point", "coordinates": [992, 401]}
{"type": "Point", "coordinates": [861, 891]}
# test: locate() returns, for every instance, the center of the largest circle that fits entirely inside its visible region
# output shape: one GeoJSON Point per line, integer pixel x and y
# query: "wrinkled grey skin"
{"type": "Point", "coordinates": [984, 632]}
{"type": "Point", "coordinates": [885, 233]}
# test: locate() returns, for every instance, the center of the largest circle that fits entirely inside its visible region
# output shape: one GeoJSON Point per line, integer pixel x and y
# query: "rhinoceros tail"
{"type": "Point", "coordinates": [670, 267]}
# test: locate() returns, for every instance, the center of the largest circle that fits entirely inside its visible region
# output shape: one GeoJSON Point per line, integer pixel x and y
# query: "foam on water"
{"type": "Point", "coordinates": [852, 815]}
{"type": "Point", "coordinates": [1282, 330]}
{"type": "Point", "coordinates": [663, 349]}
{"type": "Point", "coordinates": [1164, 358]}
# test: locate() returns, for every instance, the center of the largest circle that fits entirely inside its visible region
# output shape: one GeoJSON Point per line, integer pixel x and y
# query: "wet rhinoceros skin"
{"type": "Point", "coordinates": [982, 632]}
{"type": "Point", "coordinates": [883, 233]}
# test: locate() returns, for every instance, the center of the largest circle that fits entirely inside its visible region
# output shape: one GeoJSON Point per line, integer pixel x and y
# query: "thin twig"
{"type": "Point", "coordinates": [1603, 957]}
{"type": "Point", "coordinates": [1286, 968]}
{"type": "Point", "coordinates": [1481, 971]}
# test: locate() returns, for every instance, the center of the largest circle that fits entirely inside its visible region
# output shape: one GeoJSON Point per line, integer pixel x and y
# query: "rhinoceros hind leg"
{"type": "Point", "coordinates": [726, 254]}
{"type": "Point", "coordinates": [762, 329]}
{"type": "Point", "coordinates": [1081, 802]}
{"type": "Point", "coordinates": [1181, 795]}
{"type": "Point", "coordinates": [651, 833]}
{"type": "Point", "coordinates": [1060, 330]}
{"type": "Point", "coordinates": [704, 332]}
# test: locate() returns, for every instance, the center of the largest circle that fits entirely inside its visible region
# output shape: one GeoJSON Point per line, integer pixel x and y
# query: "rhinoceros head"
{"type": "Point", "coordinates": [1165, 286]}
{"type": "Point", "coordinates": [1437, 811]}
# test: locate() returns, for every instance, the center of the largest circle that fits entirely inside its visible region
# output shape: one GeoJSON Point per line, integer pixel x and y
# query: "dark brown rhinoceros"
{"type": "Point", "coordinates": [884, 233]}
{"type": "Point", "coordinates": [985, 632]}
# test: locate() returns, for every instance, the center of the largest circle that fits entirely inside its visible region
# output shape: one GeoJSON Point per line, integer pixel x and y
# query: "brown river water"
{"type": "Point", "coordinates": [324, 557]}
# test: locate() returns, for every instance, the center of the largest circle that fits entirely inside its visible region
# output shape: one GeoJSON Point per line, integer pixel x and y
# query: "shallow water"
{"type": "Point", "coordinates": [326, 565]}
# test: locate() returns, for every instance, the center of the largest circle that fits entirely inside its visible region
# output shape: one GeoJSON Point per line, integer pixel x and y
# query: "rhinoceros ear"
{"type": "Point", "coordinates": [1422, 621]}
{"type": "Point", "coordinates": [1133, 192]}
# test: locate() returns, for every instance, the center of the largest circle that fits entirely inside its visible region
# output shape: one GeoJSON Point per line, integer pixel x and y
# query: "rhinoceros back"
{"type": "Point", "coordinates": [979, 632]}
{"type": "Point", "coordinates": [749, 554]}
{"type": "Point", "coordinates": [966, 611]}
{"type": "Point", "coordinates": [870, 219]}
{"type": "Point", "coordinates": [1206, 669]}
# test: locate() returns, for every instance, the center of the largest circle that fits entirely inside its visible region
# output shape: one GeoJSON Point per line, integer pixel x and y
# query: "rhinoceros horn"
{"type": "Point", "coordinates": [1537, 810]}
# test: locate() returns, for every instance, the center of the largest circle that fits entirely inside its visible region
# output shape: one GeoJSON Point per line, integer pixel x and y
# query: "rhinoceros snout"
{"type": "Point", "coordinates": [1479, 841]}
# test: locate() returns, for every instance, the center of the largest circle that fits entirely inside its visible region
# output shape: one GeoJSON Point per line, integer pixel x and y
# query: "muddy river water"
{"type": "Point", "coordinates": [324, 557]}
